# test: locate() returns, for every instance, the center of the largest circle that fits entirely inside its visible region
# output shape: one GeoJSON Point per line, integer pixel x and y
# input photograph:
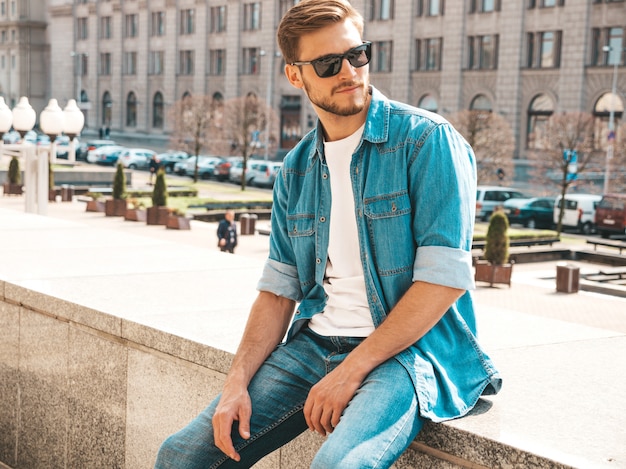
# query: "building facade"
{"type": "Point", "coordinates": [128, 61]}
{"type": "Point", "coordinates": [24, 52]}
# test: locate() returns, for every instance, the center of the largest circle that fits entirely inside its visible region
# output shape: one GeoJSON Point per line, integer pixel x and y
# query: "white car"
{"type": "Point", "coordinates": [263, 173]}
{"type": "Point", "coordinates": [136, 158]}
{"type": "Point", "coordinates": [579, 212]}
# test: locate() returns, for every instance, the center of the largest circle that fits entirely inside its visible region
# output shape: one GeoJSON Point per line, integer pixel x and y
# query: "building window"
{"type": "Point", "coordinates": [218, 19]}
{"type": "Point", "coordinates": [252, 16]}
{"type": "Point", "coordinates": [82, 31]}
{"type": "Point", "coordinates": [483, 52]}
{"type": "Point", "coordinates": [550, 46]}
{"type": "Point", "coordinates": [105, 63]}
{"type": "Point", "coordinates": [428, 102]}
{"type": "Point", "coordinates": [187, 25]}
{"type": "Point", "coordinates": [383, 54]}
{"type": "Point", "coordinates": [186, 62]}
{"type": "Point", "coordinates": [539, 111]}
{"type": "Point", "coordinates": [217, 61]}
{"type": "Point", "coordinates": [284, 5]}
{"type": "Point", "coordinates": [484, 6]}
{"type": "Point", "coordinates": [435, 7]}
{"type": "Point", "coordinates": [481, 103]}
{"type": "Point", "coordinates": [106, 31]}
{"type": "Point", "coordinates": [157, 23]}
{"type": "Point", "coordinates": [156, 62]}
{"type": "Point", "coordinates": [381, 10]}
{"type": "Point", "coordinates": [107, 108]}
{"type": "Point", "coordinates": [129, 66]}
{"type": "Point", "coordinates": [157, 110]}
{"type": "Point", "coordinates": [433, 54]}
{"type": "Point", "coordinates": [83, 64]}
{"type": "Point", "coordinates": [545, 3]}
{"type": "Point", "coordinates": [131, 110]}
{"type": "Point", "coordinates": [131, 25]}
{"type": "Point", "coordinates": [250, 61]}
{"type": "Point", "coordinates": [602, 113]}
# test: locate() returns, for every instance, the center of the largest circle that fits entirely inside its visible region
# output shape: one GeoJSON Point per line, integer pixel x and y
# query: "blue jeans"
{"type": "Point", "coordinates": [379, 423]}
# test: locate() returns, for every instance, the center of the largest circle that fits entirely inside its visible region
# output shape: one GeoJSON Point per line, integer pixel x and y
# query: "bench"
{"type": "Point", "coordinates": [528, 242]}
{"type": "Point", "coordinates": [607, 243]}
{"type": "Point", "coordinates": [619, 272]}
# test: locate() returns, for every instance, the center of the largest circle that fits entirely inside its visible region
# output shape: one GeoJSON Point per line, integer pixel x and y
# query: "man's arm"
{"type": "Point", "coordinates": [267, 324]}
{"type": "Point", "coordinates": [421, 307]}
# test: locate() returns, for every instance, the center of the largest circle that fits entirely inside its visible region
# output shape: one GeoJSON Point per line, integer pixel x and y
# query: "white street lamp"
{"type": "Point", "coordinates": [51, 121]}
{"type": "Point", "coordinates": [73, 125]}
{"type": "Point", "coordinates": [611, 136]}
{"type": "Point", "coordinates": [24, 118]}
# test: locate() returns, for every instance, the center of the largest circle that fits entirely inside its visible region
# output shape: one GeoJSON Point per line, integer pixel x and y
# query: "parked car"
{"type": "Point", "coordinates": [206, 166]}
{"type": "Point", "coordinates": [490, 197]}
{"type": "Point", "coordinates": [533, 212]}
{"type": "Point", "coordinates": [12, 136]}
{"type": "Point", "coordinates": [107, 155]}
{"type": "Point", "coordinates": [170, 158]}
{"type": "Point", "coordinates": [63, 146]}
{"type": "Point", "coordinates": [263, 173]}
{"type": "Point", "coordinates": [579, 212]}
{"type": "Point", "coordinates": [610, 215]}
{"type": "Point", "coordinates": [186, 167]}
{"type": "Point", "coordinates": [222, 169]}
{"type": "Point", "coordinates": [136, 158]}
{"type": "Point", "coordinates": [234, 175]}
{"type": "Point", "coordinates": [84, 148]}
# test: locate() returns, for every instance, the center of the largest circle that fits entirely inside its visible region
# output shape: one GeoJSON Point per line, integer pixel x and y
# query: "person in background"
{"type": "Point", "coordinates": [153, 167]}
{"type": "Point", "coordinates": [227, 233]}
{"type": "Point", "coordinates": [371, 233]}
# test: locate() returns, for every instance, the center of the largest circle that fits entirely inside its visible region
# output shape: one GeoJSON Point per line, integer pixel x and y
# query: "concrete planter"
{"type": "Point", "coordinates": [136, 214]}
{"type": "Point", "coordinates": [177, 222]}
{"type": "Point", "coordinates": [95, 206]}
{"type": "Point", "coordinates": [10, 188]}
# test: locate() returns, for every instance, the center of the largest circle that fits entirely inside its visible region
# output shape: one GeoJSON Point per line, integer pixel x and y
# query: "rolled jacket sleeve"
{"type": "Point", "coordinates": [444, 266]}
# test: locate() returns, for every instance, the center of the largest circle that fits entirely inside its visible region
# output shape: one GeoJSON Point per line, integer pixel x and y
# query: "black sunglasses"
{"type": "Point", "coordinates": [330, 65]}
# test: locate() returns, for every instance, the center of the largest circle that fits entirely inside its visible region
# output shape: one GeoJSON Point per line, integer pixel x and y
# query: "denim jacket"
{"type": "Point", "coordinates": [414, 184]}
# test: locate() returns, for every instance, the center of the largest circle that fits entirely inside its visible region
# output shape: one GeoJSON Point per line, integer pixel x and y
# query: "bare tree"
{"type": "Point", "coordinates": [563, 151]}
{"type": "Point", "coordinates": [492, 140]}
{"type": "Point", "coordinates": [618, 162]}
{"type": "Point", "coordinates": [245, 123]}
{"type": "Point", "coordinates": [194, 125]}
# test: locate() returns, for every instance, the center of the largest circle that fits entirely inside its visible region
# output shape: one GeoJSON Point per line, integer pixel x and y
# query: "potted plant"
{"type": "Point", "coordinates": [135, 211]}
{"type": "Point", "coordinates": [116, 207]}
{"type": "Point", "coordinates": [177, 220]}
{"type": "Point", "coordinates": [496, 268]}
{"type": "Point", "coordinates": [158, 213]}
{"type": "Point", "coordinates": [95, 202]}
{"type": "Point", "coordinates": [14, 184]}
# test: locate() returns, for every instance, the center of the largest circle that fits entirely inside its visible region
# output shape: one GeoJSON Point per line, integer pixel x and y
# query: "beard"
{"type": "Point", "coordinates": [329, 105]}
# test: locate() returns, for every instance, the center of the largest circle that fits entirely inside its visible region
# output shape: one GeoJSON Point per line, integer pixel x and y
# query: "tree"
{"type": "Point", "coordinates": [245, 121]}
{"type": "Point", "coordinates": [193, 119]}
{"type": "Point", "coordinates": [563, 151]}
{"type": "Point", "coordinates": [618, 163]}
{"type": "Point", "coordinates": [491, 138]}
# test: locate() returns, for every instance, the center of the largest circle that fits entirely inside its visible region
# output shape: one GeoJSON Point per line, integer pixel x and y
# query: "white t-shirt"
{"type": "Point", "coordinates": [347, 311]}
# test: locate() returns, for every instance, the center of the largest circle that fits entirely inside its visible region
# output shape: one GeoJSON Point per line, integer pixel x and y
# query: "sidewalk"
{"type": "Point", "coordinates": [561, 355]}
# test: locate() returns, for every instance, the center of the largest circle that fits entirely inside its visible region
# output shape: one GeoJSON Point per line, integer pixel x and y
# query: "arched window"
{"type": "Point", "coordinates": [107, 106]}
{"type": "Point", "coordinates": [539, 111]}
{"type": "Point", "coordinates": [157, 110]}
{"type": "Point", "coordinates": [131, 110]}
{"type": "Point", "coordinates": [428, 102]}
{"type": "Point", "coordinates": [481, 103]}
{"type": "Point", "coordinates": [602, 113]}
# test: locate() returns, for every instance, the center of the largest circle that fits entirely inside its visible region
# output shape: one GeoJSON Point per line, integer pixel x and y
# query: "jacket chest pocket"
{"type": "Point", "coordinates": [389, 222]}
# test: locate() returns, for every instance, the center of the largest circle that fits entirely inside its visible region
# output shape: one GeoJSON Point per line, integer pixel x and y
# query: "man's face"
{"type": "Point", "coordinates": [346, 93]}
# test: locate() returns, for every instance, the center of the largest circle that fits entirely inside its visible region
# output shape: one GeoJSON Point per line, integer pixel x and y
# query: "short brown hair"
{"type": "Point", "coordinates": [308, 16]}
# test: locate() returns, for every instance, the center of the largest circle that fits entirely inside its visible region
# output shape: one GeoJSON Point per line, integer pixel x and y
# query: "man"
{"type": "Point", "coordinates": [371, 233]}
{"type": "Point", "coordinates": [227, 232]}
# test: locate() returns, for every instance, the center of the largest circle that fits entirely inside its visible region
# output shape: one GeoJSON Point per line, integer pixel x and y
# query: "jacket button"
{"type": "Point", "coordinates": [322, 219]}
{"type": "Point", "coordinates": [318, 261]}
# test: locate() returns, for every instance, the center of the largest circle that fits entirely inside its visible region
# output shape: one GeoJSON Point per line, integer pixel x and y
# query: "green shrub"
{"type": "Point", "coordinates": [159, 193]}
{"type": "Point", "coordinates": [14, 175]}
{"type": "Point", "coordinates": [119, 183]}
{"type": "Point", "coordinates": [497, 240]}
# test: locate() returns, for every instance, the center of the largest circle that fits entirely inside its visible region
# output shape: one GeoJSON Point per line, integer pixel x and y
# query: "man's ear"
{"type": "Point", "coordinates": [294, 76]}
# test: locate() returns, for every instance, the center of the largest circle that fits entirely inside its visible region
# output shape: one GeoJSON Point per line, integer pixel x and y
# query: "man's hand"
{"type": "Point", "coordinates": [328, 399]}
{"type": "Point", "coordinates": [232, 406]}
